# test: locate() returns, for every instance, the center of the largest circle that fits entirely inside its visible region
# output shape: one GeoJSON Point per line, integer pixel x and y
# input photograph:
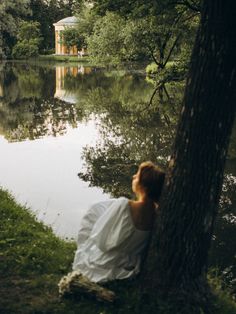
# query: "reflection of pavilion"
{"type": "Point", "coordinates": [61, 72]}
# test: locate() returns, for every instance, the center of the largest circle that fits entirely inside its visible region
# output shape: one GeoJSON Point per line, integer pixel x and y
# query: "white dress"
{"type": "Point", "coordinates": [109, 245]}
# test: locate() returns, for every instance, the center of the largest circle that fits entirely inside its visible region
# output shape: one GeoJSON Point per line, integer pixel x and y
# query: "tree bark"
{"type": "Point", "coordinates": [188, 207]}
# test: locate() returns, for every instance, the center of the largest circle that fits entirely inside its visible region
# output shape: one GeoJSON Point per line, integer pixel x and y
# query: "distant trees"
{"type": "Point", "coordinates": [28, 41]}
{"type": "Point", "coordinates": [106, 43]}
{"type": "Point", "coordinates": [48, 12]}
{"type": "Point", "coordinates": [161, 31]}
{"type": "Point", "coordinates": [12, 12]}
{"type": "Point", "coordinates": [113, 32]}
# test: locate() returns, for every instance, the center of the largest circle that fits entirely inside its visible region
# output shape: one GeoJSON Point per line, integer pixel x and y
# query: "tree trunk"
{"type": "Point", "coordinates": [180, 244]}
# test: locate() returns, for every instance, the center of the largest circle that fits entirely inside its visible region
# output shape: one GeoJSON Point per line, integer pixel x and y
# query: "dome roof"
{"type": "Point", "coordinates": [68, 20]}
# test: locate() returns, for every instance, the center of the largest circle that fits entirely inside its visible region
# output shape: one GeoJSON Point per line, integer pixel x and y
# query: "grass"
{"type": "Point", "coordinates": [33, 259]}
{"type": "Point", "coordinates": [64, 58]}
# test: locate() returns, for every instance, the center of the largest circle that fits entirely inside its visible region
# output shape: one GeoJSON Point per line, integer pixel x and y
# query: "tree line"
{"type": "Point", "coordinates": [161, 32]}
{"type": "Point", "coordinates": [38, 16]}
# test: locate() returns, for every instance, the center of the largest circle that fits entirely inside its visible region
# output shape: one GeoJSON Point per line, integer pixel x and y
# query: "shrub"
{"type": "Point", "coordinates": [25, 50]}
{"type": "Point", "coordinates": [28, 42]}
{"type": "Point", "coordinates": [151, 68]}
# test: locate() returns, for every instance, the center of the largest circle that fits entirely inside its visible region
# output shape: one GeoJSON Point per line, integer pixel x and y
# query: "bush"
{"type": "Point", "coordinates": [151, 68]}
{"type": "Point", "coordinates": [25, 50]}
{"type": "Point", "coordinates": [28, 42]}
{"type": "Point", "coordinates": [47, 52]}
{"type": "Point", "coordinates": [173, 71]}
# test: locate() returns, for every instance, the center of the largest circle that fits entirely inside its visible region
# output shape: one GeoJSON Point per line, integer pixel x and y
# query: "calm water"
{"type": "Point", "coordinates": [71, 136]}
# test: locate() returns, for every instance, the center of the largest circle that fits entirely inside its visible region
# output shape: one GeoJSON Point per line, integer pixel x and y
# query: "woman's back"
{"type": "Point", "coordinates": [142, 215]}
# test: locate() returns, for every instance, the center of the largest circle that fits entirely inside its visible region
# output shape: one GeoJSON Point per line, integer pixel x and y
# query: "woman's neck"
{"type": "Point", "coordinates": [142, 198]}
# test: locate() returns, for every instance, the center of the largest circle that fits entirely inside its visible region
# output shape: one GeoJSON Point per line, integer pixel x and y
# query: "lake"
{"type": "Point", "coordinates": [72, 135]}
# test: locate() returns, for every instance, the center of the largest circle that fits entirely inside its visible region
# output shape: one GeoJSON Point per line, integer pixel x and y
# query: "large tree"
{"type": "Point", "coordinates": [180, 244]}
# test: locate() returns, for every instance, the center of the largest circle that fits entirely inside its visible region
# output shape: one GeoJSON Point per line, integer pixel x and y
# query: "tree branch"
{"type": "Point", "coordinates": [153, 57]}
{"type": "Point", "coordinates": [152, 97]}
{"type": "Point", "coordinates": [172, 48]}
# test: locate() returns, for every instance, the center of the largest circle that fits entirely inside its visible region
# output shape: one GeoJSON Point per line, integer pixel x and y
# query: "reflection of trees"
{"type": "Point", "coordinates": [129, 133]}
{"type": "Point", "coordinates": [28, 109]}
{"type": "Point", "coordinates": [36, 118]}
{"type": "Point", "coordinates": [108, 167]}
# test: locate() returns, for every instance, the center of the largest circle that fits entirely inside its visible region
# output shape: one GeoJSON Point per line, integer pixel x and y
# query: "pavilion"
{"type": "Point", "coordinates": [61, 49]}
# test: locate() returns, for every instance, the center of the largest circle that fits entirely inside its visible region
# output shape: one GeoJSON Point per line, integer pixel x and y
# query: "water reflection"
{"type": "Point", "coordinates": [34, 102]}
{"type": "Point", "coordinates": [63, 74]}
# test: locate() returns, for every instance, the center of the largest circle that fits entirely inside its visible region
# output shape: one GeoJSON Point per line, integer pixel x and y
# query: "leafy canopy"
{"type": "Point", "coordinates": [28, 41]}
{"type": "Point", "coordinates": [12, 13]}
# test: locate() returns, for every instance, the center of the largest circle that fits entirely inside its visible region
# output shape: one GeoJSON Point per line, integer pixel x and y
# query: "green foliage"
{"type": "Point", "coordinates": [115, 40]}
{"type": "Point", "coordinates": [86, 20]}
{"type": "Point", "coordinates": [106, 44]}
{"type": "Point", "coordinates": [11, 14]}
{"type": "Point", "coordinates": [25, 49]}
{"type": "Point", "coordinates": [151, 69]}
{"type": "Point", "coordinates": [71, 37]}
{"type": "Point", "coordinates": [49, 12]}
{"type": "Point", "coordinates": [141, 8]}
{"type": "Point", "coordinates": [29, 31]}
{"type": "Point", "coordinates": [28, 41]}
{"type": "Point", "coordinates": [124, 8]}
{"type": "Point", "coordinates": [151, 31]}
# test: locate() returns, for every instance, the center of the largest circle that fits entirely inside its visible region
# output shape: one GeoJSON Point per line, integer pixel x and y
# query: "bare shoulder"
{"type": "Point", "coordinates": [141, 216]}
{"type": "Point", "coordinates": [133, 208]}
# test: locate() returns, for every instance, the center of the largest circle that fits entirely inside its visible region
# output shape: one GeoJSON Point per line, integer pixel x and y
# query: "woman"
{"type": "Point", "coordinates": [114, 233]}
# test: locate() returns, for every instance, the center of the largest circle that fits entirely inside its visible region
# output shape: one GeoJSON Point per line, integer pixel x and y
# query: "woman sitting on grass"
{"type": "Point", "coordinates": [114, 233]}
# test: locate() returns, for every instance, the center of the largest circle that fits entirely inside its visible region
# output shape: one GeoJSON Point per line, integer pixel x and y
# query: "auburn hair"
{"type": "Point", "coordinates": [151, 179]}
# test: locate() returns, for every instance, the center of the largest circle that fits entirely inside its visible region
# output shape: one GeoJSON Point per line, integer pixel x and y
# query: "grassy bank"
{"type": "Point", "coordinates": [64, 58]}
{"type": "Point", "coordinates": [33, 259]}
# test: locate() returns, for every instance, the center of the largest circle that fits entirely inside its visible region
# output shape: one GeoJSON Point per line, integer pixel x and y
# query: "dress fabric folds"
{"type": "Point", "coordinates": [109, 245]}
